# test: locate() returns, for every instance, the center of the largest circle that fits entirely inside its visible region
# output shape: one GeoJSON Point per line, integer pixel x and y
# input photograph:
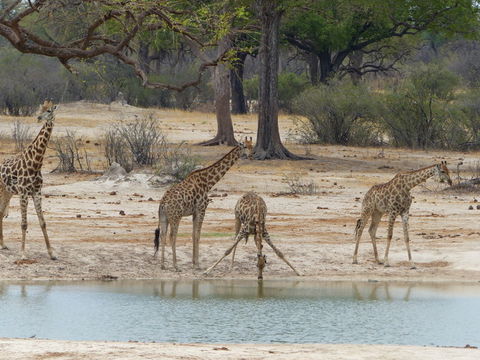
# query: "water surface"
{"type": "Point", "coordinates": [240, 311]}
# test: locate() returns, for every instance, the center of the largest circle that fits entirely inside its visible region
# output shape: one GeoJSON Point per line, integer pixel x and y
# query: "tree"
{"type": "Point", "coordinates": [99, 27]}
{"type": "Point", "coordinates": [116, 28]}
{"type": "Point", "coordinates": [333, 31]}
{"type": "Point", "coordinates": [269, 144]}
{"type": "Point", "coordinates": [221, 80]}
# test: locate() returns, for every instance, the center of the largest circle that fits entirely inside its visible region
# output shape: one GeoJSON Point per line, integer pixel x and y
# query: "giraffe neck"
{"type": "Point", "coordinates": [210, 175]}
{"type": "Point", "coordinates": [36, 150]}
{"type": "Point", "coordinates": [412, 179]}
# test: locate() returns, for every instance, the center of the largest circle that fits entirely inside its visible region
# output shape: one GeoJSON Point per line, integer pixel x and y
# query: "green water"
{"type": "Point", "coordinates": [236, 311]}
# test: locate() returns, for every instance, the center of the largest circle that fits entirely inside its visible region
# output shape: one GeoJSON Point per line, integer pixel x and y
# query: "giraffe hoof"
{"type": "Point", "coordinates": [413, 267]}
{"type": "Point", "coordinates": [53, 257]}
{"type": "Point", "coordinates": [355, 262]}
{"type": "Point", "coordinates": [4, 247]}
{"type": "Point", "coordinates": [386, 265]}
{"type": "Point", "coordinates": [162, 267]}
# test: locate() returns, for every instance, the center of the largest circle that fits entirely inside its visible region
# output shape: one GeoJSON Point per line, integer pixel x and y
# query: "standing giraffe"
{"type": "Point", "coordinates": [250, 214]}
{"type": "Point", "coordinates": [190, 197]}
{"type": "Point", "coordinates": [22, 175]}
{"type": "Point", "coordinates": [394, 199]}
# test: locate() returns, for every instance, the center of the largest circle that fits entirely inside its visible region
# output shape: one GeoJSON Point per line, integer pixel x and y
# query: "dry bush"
{"type": "Point", "coordinates": [299, 186]}
{"type": "Point", "coordinates": [134, 142]}
{"type": "Point", "coordinates": [176, 161]}
{"type": "Point", "coordinates": [22, 135]}
{"type": "Point", "coordinates": [71, 154]}
{"type": "Point", "coordinates": [117, 150]}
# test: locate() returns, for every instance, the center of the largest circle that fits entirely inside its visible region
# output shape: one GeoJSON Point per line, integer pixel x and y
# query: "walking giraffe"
{"type": "Point", "coordinates": [394, 199]}
{"type": "Point", "coordinates": [22, 175]}
{"type": "Point", "coordinates": [190, 197]}
{"type": "Point", "coordinates": [250, 214]}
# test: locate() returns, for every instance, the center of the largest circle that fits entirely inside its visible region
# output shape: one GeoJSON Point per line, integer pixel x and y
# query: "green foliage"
{"type": "Point", "coordinates": [27, 81]}
{"type": "Point", "coordinates": [289, 86]}
{"type": "Point", "coordinates": [339, 113]}
{"type": "Point", "coordinates": [417, 114]}
{"type": "Point", "coordinates": [250, 87]}
{"type": "Point", "coordinates": [468, 109]}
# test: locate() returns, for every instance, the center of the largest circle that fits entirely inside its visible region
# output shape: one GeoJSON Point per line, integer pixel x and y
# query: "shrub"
{"type": "Point", "coordinates": [142, 136]}
{"type": "Point", "coordinates": [21, 134]}
{"type": "Point", "coordinates": [176, 161]}
{"type": "Point", "coordinates": [27, 81]}
{"type": "Point", "coordinates": [340, 113]}
{"type": "Point", "coordinates": [417, 114]}
{"type": "Point", "coordinates": [468, 107]}
{"type": "Point", "coordinates": [297, 185]}
{"type": "Point", "coordinates": [116, 149]}
{"type": "Point", "coordinates": [69, 152]}
{"type": "Point", "coordinates": [289, 86]}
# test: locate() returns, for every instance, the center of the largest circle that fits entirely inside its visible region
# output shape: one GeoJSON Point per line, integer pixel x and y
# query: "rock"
{"type": "Point", "coordinates": [470, 207]}
{"type": "Point", "coordinates": [79, 216]}
{"type": "Point", "coordinates": [122, 212]}
{"type": "Point", "coordinates": [114, 172]}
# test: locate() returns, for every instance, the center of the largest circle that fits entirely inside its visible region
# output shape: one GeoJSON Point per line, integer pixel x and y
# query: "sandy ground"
{"type": "Point", "coordinates": [93, 240]}
{"type": "Point", "coordinates": [14, 349]}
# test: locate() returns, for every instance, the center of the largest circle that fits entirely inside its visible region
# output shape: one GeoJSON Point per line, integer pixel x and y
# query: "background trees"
{"type": "Point", "coordinates": [331, 52]}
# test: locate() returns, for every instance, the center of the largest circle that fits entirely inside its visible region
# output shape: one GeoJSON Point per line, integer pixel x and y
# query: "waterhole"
{"type": "Point", "coordinates": [243, 311]}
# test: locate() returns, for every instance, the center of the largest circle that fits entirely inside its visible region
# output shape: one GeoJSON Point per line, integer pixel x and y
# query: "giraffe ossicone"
{"type": "Point", "coordinates": [394, 199]}
{"type": "Point", "coordinates": [21, 175]}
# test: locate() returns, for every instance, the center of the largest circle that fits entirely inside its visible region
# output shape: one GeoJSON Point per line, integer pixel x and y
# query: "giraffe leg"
{"type": "Point", "coordinates": [4, 202]}
{"type": "Point", "coordinates": [162, 228]}
{"type": "Point", "coordinates": [197, 228]}
{"type": "Point", "coordinates": [407, 239]}
{"type": "Point", "coordinates": [163, 240]}
{"type": "Point", "coordinates": [23, 210]}
{"type": "Point", "coordinates": [239, 237]}
{"type": "Point", "coordinates": [261, 260]}
{"type": "Point", "coordinates": [358, 233]}
{"type": "Point", "coordinates": [37, 201]}
{"type": "Point", "coordinates": [391, 221]}
{"type": "Point", "coordinates": [376, 216]}
{"type": "Point", "coordinates": [237, 230]}
{"type": "Point", "coordinates": [266, 236]}
{"type": "Point", "coordinates": [173, 240]}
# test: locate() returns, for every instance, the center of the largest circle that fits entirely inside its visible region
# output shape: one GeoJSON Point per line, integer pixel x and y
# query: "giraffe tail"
{"type": "Point", "coordinates": [156, 240]}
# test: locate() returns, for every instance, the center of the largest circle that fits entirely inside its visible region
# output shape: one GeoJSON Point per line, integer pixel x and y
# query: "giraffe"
{"type": "Point", "coordinates": [249, 146]}
{"type": "Point", "coordinates": [394, 199]}
{"type": "Point", "coordinates": [190, 197]}
{"type": "Point", "coordinates": [22, 176]}
{"type": "Point", "coordinates": [250, 214]}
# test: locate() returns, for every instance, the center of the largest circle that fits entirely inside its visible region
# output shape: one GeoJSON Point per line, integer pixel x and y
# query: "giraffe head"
{"type": "Point", "coordinates": [247, 148]}
{"type": "Point", "coordinates": [443, 173]}
{"type": "Point", "coordinates": [47, 112]}
{"type": "Point", "coordinates": [261, 262]}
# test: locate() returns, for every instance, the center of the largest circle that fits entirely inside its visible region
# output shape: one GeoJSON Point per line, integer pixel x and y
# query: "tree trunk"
{"type": "Point", "coordinates": [312, 60]}
{"type": "Point", "coordinates": [325, 66]}
{"type": "Point", "coordinates": [239, 105]}
{"type": "Point", "coordinates": [269, 145]}
{"type": "Point", "coordinates": [356, 62]}
{"type": "Point", "coordinates": [143, 58]}
{"type": "Point", "coordinates": [225, 133]}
